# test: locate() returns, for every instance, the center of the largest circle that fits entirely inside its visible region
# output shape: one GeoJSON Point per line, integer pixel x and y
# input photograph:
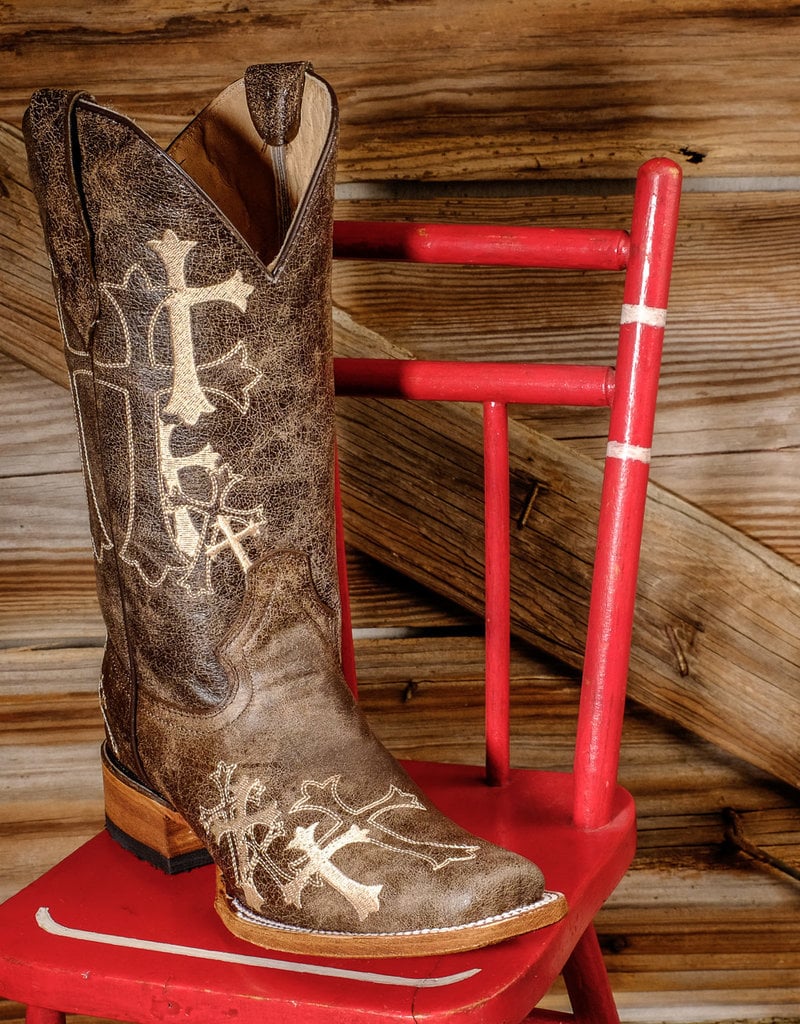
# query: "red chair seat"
{"type": "Point", "coordinates": [103, 890]}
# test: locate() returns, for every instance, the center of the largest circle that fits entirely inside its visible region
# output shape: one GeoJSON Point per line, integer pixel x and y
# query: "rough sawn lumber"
{"type": "Point", "coordinates": [716, 644]}
{"type": "Point", "coordinates": [437, 89]}
{"type": "Point", "coordinates": [717, 640]}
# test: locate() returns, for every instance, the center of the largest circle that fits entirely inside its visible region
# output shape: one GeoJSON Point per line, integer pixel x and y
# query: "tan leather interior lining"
{"type": "Point", "coordinates": [222, 151]}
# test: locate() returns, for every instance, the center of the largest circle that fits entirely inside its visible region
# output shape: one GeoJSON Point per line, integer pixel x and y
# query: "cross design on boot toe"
{"type": "Point", "coordinates": [252, 827]}
{"type": "Point", "coordinates": [244, 822]}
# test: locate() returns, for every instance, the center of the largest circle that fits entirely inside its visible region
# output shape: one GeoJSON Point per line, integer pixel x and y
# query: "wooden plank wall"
{"type": "Point", "coordinates": [516, 112]}
{"type": "Point", "coordinates": [438, 90]}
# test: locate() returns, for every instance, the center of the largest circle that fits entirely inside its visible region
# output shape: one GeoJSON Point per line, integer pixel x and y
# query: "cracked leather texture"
{"type": "Point", "coordinates": [274, 95]}
{"type": "Point", "coordinates": [203, 388]}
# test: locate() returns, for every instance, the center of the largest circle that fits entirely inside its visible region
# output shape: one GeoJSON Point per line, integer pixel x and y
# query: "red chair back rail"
{"type": "Point", "coordinates": [645, 255]}
{"type": "Point", "coordinates": [470, 244]}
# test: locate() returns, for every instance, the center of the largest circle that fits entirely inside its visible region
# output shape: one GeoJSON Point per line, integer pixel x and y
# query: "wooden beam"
{"type": "Point", "coordinates": [690, 916]}
{"type": "Point", "coordinates": [692, 913]}
{"type": "Point", "coordinates": [436, 89]}
{"type": "Point", "coordinates": [728, 423]}
{"type": "Point", "coordinates": [717, 637]}
{"type": "Point", "coordinates": [717, 642]}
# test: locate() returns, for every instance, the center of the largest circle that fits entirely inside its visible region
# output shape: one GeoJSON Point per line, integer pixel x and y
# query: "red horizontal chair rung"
{"type": "Point", "coordinates": [447, 381]}
{"type": "Point", "coordinates": [484, 245]}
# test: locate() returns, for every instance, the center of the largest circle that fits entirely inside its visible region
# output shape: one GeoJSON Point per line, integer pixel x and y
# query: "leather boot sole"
{"type": "Point", "coordinates": [144, 824]}
{"type": "Point", "coordinates": [425, 942]}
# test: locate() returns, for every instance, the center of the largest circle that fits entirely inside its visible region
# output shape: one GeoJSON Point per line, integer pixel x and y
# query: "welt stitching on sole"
{"type": "Point", "coordinates": [244, 915]}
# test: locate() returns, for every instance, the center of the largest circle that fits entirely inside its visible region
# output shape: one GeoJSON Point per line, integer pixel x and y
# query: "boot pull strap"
{"type": "Point", "coordinates": [274, 98]}
{"type": "Point", "coordinates": [49, 127]}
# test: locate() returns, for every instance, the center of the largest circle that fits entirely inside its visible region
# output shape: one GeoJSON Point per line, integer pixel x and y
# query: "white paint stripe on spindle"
{"type": "Point", "coordinates": [650, 316]}
{"type": "Point", "coordinates": [622, 450]}
{"type": "Point", "coordinates": [47, 923]}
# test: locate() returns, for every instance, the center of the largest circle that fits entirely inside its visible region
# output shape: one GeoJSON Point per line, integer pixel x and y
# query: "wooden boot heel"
{"type": "Point", "coordinates": [145, 825]}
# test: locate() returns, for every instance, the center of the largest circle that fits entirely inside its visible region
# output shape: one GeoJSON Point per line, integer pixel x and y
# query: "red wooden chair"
{"type": "Point", "coordinates": [107, 935]}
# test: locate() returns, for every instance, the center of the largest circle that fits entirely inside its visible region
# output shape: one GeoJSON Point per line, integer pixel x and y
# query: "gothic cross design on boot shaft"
{"type": "Point", "coordinates": [187, 399]}
{"type": "Point", "coordinates": [162, 396]}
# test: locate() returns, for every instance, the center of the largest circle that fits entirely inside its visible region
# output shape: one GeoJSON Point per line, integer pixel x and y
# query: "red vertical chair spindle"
{"type": "Point", "coordinates": [608, 644]}
{"type": "Point", "coordinates": [588, 987]}
{"type": "Point", "coordinates": [38, 1015]}
{"type": "Point", "coordinates": [498, 615]}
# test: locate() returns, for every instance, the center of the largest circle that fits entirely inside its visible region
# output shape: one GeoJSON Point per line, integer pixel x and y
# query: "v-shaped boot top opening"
{"type": "Point", "coordinates": [224, 154]}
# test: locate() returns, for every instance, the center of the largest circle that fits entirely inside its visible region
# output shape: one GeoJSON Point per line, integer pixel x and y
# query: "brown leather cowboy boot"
{"type": "Point", "coordinates": [193, 290]}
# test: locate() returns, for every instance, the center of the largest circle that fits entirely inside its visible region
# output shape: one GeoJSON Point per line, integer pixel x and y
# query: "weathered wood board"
{"type": "Point", "coordinates": [728, 418]}
{"type": "Point", "coordinates": [717, 640]}
{"type": "Point", "coordinates": [728, 424]}
{"type": "Point", "coordinates": [435, 89]}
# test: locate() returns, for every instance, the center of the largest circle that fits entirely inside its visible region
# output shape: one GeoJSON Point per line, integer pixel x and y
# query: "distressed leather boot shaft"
{"type": "Point", "coordinates": [193, 286]}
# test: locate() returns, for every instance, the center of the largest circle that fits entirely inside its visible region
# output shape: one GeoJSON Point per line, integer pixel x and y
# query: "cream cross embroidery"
{"type": "Point", "coordinates": [244, 822]}
{"type": "Point", "coordinates": [362, 898]}
{"type": "Point", "coordinates": [249, 827]}
{"type": "Point", "coordinates": [187, 400]}
{"type": "Point", "coordinates": [324, 798]}
{"type": "Point", "coordinates": [174, 474]}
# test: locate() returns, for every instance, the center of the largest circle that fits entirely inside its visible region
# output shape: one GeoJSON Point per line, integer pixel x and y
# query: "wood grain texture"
{"type": "Point", "coordinates": [716, 646]}
{"type": "Point", "coordinates": [716, 643]}
{"type": "Point", "coordinates": [691, 912]}
{"type": "Point", "coordinates": [692, 915]}
{"type": "Point", "coordinates": [533, 89]}
{"type": "Point", "coordinates": [728, 421]}
{"type": "Point", "coordinates": [441, 90]}
{"type": "Point", "coordinates": [728, 425]}
{"type": "Point", "coordinates": [725, 614]}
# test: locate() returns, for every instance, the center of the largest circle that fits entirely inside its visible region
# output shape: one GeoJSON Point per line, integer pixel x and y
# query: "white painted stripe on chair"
{"type": "Point", "coordinates": [651, 316]}
{"type": "Point", "coordinates": [46, 922]}
{"type": "Point", "coordinates": [622, 450]}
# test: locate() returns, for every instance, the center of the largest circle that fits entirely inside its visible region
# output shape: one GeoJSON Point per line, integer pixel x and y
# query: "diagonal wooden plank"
{"type": "Point", "coordinates": [717, 642]}
{"type": "Point", "coordinates": [27, 320]}
{"type": "Point", "coordinates": [728, 423]}
{"type": "Point", "coordinates": [717, 639]}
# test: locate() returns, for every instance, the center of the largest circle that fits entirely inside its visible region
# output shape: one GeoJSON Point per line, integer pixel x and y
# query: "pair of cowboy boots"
{"type": "Point", "coordinates": [193, 287]}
